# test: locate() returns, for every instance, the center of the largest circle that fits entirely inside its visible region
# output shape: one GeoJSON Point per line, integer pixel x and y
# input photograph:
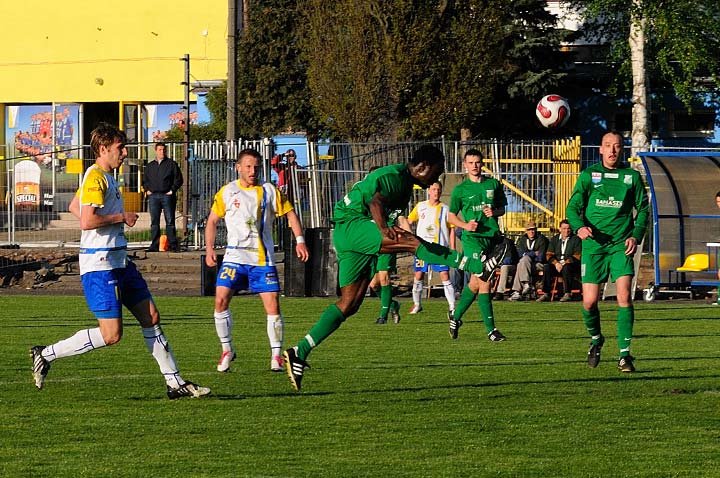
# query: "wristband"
{"type": "Point", "coordinates": [300, 240]}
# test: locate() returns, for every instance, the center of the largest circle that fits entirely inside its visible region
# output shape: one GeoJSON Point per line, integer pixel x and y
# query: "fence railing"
{"type": "Point", "coordinates": [538, 177]}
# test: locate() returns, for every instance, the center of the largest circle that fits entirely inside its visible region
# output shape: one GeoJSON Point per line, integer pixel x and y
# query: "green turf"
{"type": "Point", "coordinates": [389, 401]}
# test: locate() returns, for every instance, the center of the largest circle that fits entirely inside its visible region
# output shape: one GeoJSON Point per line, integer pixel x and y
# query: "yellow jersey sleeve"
{"type": "Point", "coordinates": [413, 216]}
{"type": "Point", "coordinates": [284, 206]}
{"type": "Point", "coordinates": [93, 189]}
{"type": "Point", "coordinates": [218, 205]}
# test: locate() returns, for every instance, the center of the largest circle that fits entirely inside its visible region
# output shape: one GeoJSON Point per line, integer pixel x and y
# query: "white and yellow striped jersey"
{"type": "Point", "coordinates": [432, 223]}
{"type": "Point", "coordinates": [249, 216]}
{"type": "Point", "coordinates": [104, 248]}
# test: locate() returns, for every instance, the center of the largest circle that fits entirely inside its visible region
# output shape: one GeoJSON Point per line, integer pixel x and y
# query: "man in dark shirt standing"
{"type": "Point", "coordinates": [161, 181]}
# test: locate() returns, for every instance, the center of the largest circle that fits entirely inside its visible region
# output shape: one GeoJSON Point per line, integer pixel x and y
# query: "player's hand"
{"type": "Point", "coordinates": [130, 218]}
{"type": "Point", "coordinates": [471, 226]}
{"type": "Point", "coordinates": [487, 210]}
{"type": "Point", "coordinates": [389, 232]}
{"type": "Point", "coordinates": [558, 266]}
{"type": "Point", "coordinates": [302, 252]}
{"type": "Point", "coordinates": [210, 258]}
{"type": "Point", "coordinates": [630, 246]}
{"type": "Point", "coordinates": [584, 232]}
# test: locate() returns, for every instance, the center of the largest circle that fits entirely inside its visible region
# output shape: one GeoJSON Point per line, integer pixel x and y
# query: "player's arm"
{"type": "Point", "coordinates": [451, 233]}
{"type": "Point", "coordinates": [210, 234]}
{"type": "Point", "coordinates": [455, 207]}
{"type": "Point", "coordinates": [405, 223]}
{"type": "Point", "coordinates": [300, 249]}
{"type": "Point", "coordinates": [74, 206]}
{"type": "Point", "coordinates": [377, 213]}
{"type": "Point", "coordinates": [642, 207]}
{"type": "Point", "coordinates": [90, 219]}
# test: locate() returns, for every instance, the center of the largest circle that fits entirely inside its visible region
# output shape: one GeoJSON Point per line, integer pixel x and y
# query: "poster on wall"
{"type": "Point", "coordinates": [30, 130]}
{"type": "Point", "coordinates": [27, 184]}
{"type": "Point", "coordinates": [162, 118]}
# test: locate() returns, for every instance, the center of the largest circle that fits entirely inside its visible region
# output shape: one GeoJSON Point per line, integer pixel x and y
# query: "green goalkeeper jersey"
{"type": "Point", "coordinates": [469, 198]}
{"type": "Point", "coordinates": [604, 200]}
{"type": "Point", "coordinates": [394, 183]}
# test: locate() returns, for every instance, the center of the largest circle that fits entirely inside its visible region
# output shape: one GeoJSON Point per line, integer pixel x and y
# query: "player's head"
{"type": "Point", "coordinates": [717, 199]}
{"type": "Point", "coordinates": [472, 162]}
{"type": "Point", "coordinates": [565, 229]}
{"type": "Point", "coordinates": [611, 149]}
{"type": "Point", "coordinates": [435, 191]}
{"type": "Point", "coordinates": [108, 142]}
{"type": "Point", "coordinates": [248, 166]}
{"type": "Point", "coordinates": [426, 165]}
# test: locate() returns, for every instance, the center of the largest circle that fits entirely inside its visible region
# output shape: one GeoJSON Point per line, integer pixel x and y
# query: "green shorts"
{"type": "Point", "coordinates": [597, 263]}
{"type": "Point", "coordinates": [475, 246]}
{"type": "Point", "coordinates": [386, 262]}
{"type": "Point", "coordinates": [357, 244]}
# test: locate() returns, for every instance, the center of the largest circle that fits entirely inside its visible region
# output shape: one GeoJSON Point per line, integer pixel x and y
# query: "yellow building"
{"type": "Point", "coordinates": [67, 65]}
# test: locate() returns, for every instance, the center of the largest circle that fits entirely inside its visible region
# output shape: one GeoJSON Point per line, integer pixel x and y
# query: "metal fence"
{"type": "Point", "coordinates": [538, 177]}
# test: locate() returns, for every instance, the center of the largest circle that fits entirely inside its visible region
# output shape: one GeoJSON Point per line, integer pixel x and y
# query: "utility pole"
{"type": "Point", "coordinates": [232, 71]}
{"type": "Point", "coordinates": [186, 140]}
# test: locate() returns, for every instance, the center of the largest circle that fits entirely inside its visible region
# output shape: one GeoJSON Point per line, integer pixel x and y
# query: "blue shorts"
{"type": "Point", "coordinates": [422, 266]}
{"type": "Point", "coordinates": [240, 276]}
{"type": "Point", "coordinates": [107, 291]}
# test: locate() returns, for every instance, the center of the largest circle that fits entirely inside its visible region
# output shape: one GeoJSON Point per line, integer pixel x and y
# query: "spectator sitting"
{"type": "Point", "coordinates": [507, 270]}
{"type": "Point", "coordinates": [532, 247]}
{"type": "Point", "coordinates": [563, 259]}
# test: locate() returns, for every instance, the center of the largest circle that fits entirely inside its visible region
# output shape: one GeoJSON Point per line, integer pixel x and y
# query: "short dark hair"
{"type": "Point", "coordinates": [160, 143]}
{"type": "Point", "coordinates": [473, 152]}
{"type": "Point", "coordinates": [248, 152]}
{"type": "Point", "coordinates": [717, 195]}
{"type": "Point", "coordinates": [427, 153]}
{"type": "Point", "coordinates": [565, 221]}
{"type": "Point", "coordinates": [614, 132]}
{"type": "Point", "coordinates": [105, 134]}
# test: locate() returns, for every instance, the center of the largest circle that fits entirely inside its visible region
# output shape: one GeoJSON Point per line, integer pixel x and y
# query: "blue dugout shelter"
{"type": "Point", "coordinates": [685, 218]}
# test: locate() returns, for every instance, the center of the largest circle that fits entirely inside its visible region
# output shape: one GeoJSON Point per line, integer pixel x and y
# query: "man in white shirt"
{"type": "Point", "coordinates": [249, 211]}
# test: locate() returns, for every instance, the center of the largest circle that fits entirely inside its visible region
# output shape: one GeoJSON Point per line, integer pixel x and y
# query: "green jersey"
{"type": "Point", "coordinates": [471, 197]}
{"type": "Point", "coordinates": [394, 183]}
{"type": "Point", "coordinates": [604, 200]}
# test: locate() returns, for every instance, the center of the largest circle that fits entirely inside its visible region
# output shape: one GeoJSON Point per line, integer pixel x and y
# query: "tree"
{"type": "Point", "coordinates": [674, 43]}
{"type": "Point", "coordinates": [272, 93]}
{"type": "Point", "coordinates": [398, 68]}
{"type": "Point", "coordinates": [494, 59]}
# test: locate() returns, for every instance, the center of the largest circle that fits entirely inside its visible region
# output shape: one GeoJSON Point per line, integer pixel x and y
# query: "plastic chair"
{"type": "Point", "coordinates": [695, 263]}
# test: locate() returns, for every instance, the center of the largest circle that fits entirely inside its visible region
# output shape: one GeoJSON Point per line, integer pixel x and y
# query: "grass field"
{"type": "Point", "coordinates": [391, 401]}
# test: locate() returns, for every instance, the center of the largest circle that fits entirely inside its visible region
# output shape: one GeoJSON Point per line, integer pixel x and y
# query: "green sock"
{"type": "Point", "coordinates": [486, 311]}
{"type": "Point", "coordinates": [625, 320]}
{"type": "Point", "coordinates": [467, 297]}
{"type": "Point", "coordinates": [329, 321]}
{"type": "Point", "coordinates": [385, 300]}
{"type": "Point", "coordinates": [592, 324]}
{"type": "Point", "coordinates": [433, 253]}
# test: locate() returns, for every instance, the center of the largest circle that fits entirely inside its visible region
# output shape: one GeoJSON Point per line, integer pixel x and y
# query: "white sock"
{"type": "Point", "coordinates": [159, 347]}
{"type": "Point", "coordinates": [275, 331]}
{"type": "Point", "coordinates": [83, 341]}
{"type": "Point", "coordinates": [449, 293]}
{"type": "Point", "coordinates": [417, 291]}
{"type": "Point", "coordinates": [223, 327]}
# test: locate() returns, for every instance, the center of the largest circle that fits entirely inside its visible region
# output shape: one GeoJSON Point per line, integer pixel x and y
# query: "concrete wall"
{"type": "Point", "coordinates": [85, 51]}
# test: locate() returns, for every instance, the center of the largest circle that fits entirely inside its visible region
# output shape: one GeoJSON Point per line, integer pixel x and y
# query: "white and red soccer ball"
{"type": "Point", "coordinates": [553, 111]}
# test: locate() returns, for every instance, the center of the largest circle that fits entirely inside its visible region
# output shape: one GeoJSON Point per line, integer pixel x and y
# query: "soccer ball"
{"type": "Point", "coordinates": [553, 111]}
